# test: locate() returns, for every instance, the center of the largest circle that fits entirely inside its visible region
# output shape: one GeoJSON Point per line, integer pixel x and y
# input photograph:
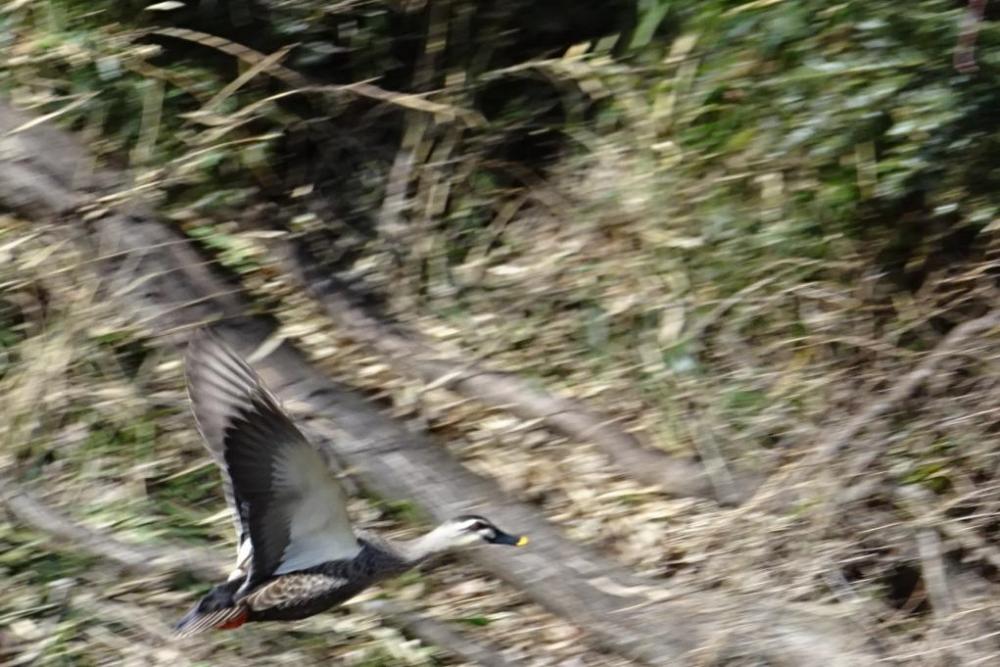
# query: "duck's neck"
{"type": "Point", "coordinates": [415, 551]}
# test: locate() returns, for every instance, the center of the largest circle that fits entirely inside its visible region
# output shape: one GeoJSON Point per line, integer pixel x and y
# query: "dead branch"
{"type": "Point", "coordinates": [131, 557]}
{"type": "Point", "coordinates": [172, 289]}
{"type": "Point", "coordinates": [834, 492]}
{"type": "Point", "coordinates": [949, 345]}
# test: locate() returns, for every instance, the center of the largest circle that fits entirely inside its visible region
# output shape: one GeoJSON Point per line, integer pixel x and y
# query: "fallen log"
{"type": "Point", "coordinates": [151, 271]}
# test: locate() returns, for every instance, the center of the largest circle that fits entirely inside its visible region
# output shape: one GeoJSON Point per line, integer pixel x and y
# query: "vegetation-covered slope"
{"type": "Point", "coordinates": [734, 226]}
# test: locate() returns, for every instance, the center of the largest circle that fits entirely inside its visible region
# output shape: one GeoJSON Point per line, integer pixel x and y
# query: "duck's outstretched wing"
{"type": "Point", "coordinates": [285, 500]}
{"type": "Point", "coordinates": [214, 405]}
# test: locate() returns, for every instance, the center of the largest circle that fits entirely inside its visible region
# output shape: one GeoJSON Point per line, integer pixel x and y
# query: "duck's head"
{"type": "Point", "coordinates": [470, 529]}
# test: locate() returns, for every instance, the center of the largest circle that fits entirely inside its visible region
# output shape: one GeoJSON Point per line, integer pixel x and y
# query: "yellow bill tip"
{"type": "Point", "coordinates": [521, 541]}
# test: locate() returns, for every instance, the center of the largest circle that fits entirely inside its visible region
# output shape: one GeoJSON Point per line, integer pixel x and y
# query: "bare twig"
{"type": "Point", "coordinates": [828, 450]}
{"type": "Point", "coordinates": [949, 345]}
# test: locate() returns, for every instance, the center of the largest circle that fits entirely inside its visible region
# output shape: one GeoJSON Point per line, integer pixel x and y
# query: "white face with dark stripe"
{"type": "Point", "coordinates": [472, 528]}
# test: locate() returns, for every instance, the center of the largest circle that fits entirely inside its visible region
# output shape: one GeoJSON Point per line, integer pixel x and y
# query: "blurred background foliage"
{"type": "Point", "coordinates": [725, 222]}
{"type": "Point", "coordinates": [814, 129]}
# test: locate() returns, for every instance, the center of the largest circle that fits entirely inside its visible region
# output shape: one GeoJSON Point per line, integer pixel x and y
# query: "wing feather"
{"type": "Point", "coordinates": [284, 498]}
{"type": "Point", "coordinates": [216, 391]}
{"type": "Point", "coordinates": [292, 589]}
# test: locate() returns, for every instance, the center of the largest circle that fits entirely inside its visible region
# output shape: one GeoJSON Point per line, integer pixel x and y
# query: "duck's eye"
{"type": "Point", "coordinates": [479, 525]}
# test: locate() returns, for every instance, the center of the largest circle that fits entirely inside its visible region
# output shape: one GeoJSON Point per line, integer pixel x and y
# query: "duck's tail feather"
{"type": "Point", "coordinates": [196, 621]}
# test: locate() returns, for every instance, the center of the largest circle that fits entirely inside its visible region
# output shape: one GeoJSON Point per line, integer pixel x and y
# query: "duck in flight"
{"type": "Point", "coordinates": [297, 554]}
